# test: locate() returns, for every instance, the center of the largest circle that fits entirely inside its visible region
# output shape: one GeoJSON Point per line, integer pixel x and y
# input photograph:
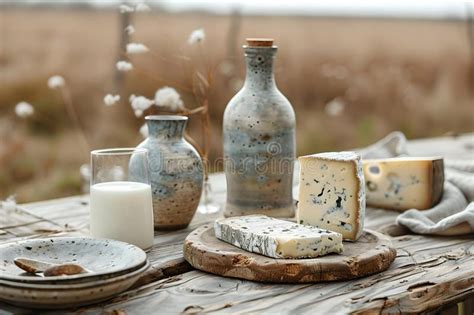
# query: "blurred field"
{"type": "Point", "coordinates": [391, 74]}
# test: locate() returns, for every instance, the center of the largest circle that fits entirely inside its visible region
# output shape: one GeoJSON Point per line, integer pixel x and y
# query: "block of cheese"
{"type": "Point", "coordinates": [404, 183]}
{"type": "Point", "coordinates": [277, 238]}
{"type": "Point", "coordinates": [332, 193]}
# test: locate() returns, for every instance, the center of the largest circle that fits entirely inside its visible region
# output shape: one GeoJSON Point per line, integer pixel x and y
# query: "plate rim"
{"type": "Point", "coordinates": [73, 286]}
{"type": "Point", "coordinates": [77, 277]}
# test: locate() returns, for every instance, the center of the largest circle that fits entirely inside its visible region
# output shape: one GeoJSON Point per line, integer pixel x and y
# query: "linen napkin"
{"type": "Point", "coordinates": [454, 214]}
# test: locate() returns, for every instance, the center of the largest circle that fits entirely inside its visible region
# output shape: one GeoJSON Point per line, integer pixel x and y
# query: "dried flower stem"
{"type": "Point", "coordinates": [206, 130]}
{"type": "Point", "coordinates": [193, 111]}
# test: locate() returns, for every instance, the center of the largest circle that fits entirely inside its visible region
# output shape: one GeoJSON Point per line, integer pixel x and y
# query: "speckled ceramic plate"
{"type": "Point", "coordinates": [60, 296]}
{"type": "Point", "coordinates": [104, 258]}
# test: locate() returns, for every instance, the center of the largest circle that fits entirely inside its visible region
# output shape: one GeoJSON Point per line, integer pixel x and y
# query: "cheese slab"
{"type": "Point", "coordinates": [404, 183]}
{"type": "Point", "coordinates": [277, 238]}
{"type": "Point", "coordinates": [332, 193]}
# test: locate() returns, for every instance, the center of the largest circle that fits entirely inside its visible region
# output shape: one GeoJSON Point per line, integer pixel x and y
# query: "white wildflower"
{"type": "Point", "coordinates": [144, 131]}
{"type": "Point", "coordinates": [130, 30]}
{"type": "Point", "coordinates": [124, 66]}
{"type": "Point", "coordinates": [125, 8]}
{"type": "Point", "coordinates": [110, 99]}
{"type": "Point", "coordinates": [56, 82]}
{"type": "Point", "coordinates": [226, 68]}
{"type": "Point", "coordinates": [141, 7]}
{"type": "Point", "coordinates": [9, 204]}
{"type": "Point", "coordinates": [140, 104]}
{"type": "Point", "coordinates": [196, 36]}
{"type": "Point", "coordinates": [85, 171]}
{"type": "Point", "coordinates": [169, 98]}
{"type": "Point", "coordinates": [24, 109]}
{"type": "Point", "coordinates": [335, 107]}
{"type": "Point", "coordinates": [136, 48]}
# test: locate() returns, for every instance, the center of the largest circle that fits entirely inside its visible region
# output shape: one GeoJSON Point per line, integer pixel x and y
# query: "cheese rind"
{"type": "Point", "coordinates": [332, 193]}
{"type": "Point", "coordinates": [277, 238]}
{"type": "Point", "coordinates": [404, 183]}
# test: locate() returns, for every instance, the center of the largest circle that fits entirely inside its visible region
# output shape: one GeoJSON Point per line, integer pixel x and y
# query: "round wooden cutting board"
{"type": "Point", "coordinates": [372, 253]}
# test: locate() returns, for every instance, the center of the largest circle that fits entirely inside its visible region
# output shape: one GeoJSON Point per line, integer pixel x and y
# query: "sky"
{"type": "Point", "coordinates": [441, 9]}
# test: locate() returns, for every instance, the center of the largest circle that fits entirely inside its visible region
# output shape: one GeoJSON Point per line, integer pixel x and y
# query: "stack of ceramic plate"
{"type": "Point", "coordinates": [112, 267]}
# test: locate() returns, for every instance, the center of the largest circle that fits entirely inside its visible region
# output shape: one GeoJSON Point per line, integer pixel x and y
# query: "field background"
{"type": "Point", "coordinates": [408, 75]}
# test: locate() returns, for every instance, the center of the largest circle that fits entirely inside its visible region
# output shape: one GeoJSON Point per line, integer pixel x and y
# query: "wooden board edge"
{"type": "Point", "coordinates": [244, 266]}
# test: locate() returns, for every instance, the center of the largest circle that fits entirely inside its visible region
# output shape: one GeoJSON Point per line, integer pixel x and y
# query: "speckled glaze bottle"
{"type": "Point", "coordinates": [259, 140]}
{"type": "Point", "coordinates": [176, 172]}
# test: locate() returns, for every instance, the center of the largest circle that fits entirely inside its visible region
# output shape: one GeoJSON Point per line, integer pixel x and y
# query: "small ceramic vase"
{"type": "Point", "coordinates": [259, 141]}
{"type": "Point", "coordinates": [176, 172]}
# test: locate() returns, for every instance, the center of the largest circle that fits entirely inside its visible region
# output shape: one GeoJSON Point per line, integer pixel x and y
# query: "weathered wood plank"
{"type": "Point", "coordinates": [18, 223]}
{"type": "Point", "coordinates": [4, 235]}
{"type": "Point", "coordinates": [70, 213]}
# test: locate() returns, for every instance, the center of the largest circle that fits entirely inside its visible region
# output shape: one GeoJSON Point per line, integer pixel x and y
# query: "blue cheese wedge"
{"type": "Point", "coordinates": [277, 238]}
{"type": "Point", "coordinates": [332, 193]}
{"type": "Point", "coordinates": [404, 183]}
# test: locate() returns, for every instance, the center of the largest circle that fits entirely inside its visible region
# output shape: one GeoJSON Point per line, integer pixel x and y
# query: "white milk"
{"type": "Point", "coordinates": [122, 211]}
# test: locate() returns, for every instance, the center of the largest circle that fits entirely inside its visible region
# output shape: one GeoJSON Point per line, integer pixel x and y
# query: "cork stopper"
{"type": "Point", "coordinates": [259, 42]}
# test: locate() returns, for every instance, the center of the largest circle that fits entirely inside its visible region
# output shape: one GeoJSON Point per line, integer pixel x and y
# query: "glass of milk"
{"type": "Point", "coordinates": [121, 202]}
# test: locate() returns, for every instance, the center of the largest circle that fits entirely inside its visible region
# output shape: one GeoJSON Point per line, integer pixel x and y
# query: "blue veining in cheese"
{"type": "Point", "coordinates": [332, 193]}
{"type": "Point", "coordinates": [277, 238]}
{"type": "Point", "coordinates": [404, 183]}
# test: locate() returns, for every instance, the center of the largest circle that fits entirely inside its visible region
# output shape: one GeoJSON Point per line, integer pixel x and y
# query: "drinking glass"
{"type": "Point", "coordinates": [121, 202]}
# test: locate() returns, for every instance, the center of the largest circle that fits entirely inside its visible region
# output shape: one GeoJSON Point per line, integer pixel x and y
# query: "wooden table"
{"type": "Point", "coordinates": [428, 274]}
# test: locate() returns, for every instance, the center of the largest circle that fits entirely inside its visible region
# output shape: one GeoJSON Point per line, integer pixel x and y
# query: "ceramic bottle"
{"type": "Point", "coordinates": [176, 172]}
{"type": "Point", "coordinates": [259, 140]}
